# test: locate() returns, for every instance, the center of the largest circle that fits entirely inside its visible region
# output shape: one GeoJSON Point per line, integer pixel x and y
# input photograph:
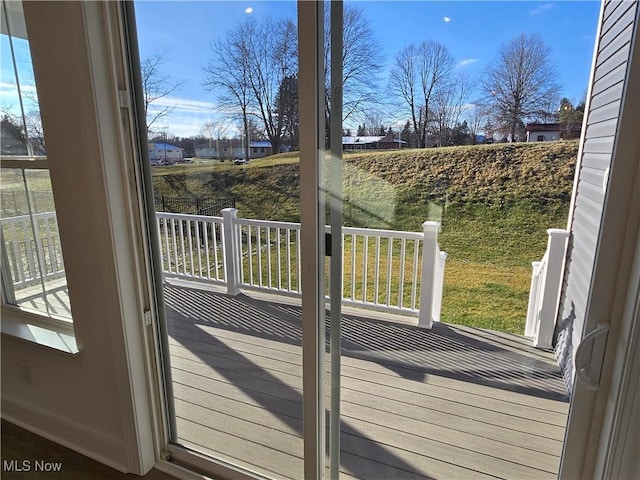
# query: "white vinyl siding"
{"type": "Point", "coordinates": [611, 64]}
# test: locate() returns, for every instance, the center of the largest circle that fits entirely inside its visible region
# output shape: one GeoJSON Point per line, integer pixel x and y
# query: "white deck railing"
{"type": "Point", "coordinates": [382, 269]}
{"type": "Point", "coordinates": [544, 295]}
{"type": "Point", "coordinates": [31, 249]}
{"type": "Point", "coordinates": [386, 270]}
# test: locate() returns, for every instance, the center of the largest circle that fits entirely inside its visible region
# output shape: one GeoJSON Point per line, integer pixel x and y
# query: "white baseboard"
{"type": "Point", "coordinates": [88, 442]}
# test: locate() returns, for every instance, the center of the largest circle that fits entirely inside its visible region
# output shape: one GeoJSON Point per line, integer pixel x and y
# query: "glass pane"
{"type": "Point", "coordinates": [33, 274]}
{"type": "Point", "coordinates": [21, 131]}
{"type": "Point", "coordinates": [33, 269]}
{"type": "Point", "coordinates": [443, 400]}
{"type": "Point", "coordinates": [221, 93]}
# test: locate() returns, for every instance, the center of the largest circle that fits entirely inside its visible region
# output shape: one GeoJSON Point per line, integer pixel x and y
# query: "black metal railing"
{"type": "Point", "coordinates": [192, 205]}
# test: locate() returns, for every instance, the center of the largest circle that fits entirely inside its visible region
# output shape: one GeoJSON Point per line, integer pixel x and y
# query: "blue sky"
{"type": "Point", "coordinates": [472, 31]}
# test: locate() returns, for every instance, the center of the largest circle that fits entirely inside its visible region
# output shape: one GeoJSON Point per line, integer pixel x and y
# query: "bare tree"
{"type": "Point", "coordinates": [214, 129]}
{"type": "Point", "coordinates": [418, 73]}
{"type": "Point", "coordinates": [13, 140]}
{"type": "Point", "coordinates": [361, 63]}
{"type": "Point", "coordinates": [36, 133]}
{"type": "Point", "coordinates": [449, 103]}
{"type": "Point", "coordinates": [250, 65]}
{"type": "Point", "coordinates": [374, 121]}
{"type": "Point", "coordinates": [156, 86]}
{"type": "Point", "coordinates": [520, 82]}
{"type": "Point", "coordinates": [287, 106]}
{"type": "Point", "coordinates": [229, 71]}
{"type": "Point", "coordinates": [271, 51]}
{"type": "Point", "coordinates": [476, 117]}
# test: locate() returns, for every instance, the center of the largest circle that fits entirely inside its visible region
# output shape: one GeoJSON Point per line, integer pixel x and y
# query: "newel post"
{"type": "Point", "coordinates": [427, 281]}
{"type": "Point", "coordinates": [557, 249]}
{"type": "Point", "coordinates": [231, 249]}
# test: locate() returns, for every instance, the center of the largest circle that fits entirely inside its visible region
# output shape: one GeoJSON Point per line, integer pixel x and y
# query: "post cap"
{"type": "Point", "coordinates": [431, 226]}
{"type": "Point", "coordinates": [558, 232]}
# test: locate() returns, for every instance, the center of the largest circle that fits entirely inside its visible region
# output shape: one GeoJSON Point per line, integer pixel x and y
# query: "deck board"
{"type": "Point", "coordinates": [453, 402]}
{"type": "Point", "coordinates": [56, 298]}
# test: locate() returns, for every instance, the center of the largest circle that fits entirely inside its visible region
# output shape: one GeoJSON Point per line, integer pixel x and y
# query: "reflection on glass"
{"type": "Point", "coordinates": [21, 131]}
{"type": "Point", "coordinates": [33, 270]}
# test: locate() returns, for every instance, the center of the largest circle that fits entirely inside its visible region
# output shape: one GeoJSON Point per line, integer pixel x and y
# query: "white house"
{"type": "Point", "coordinates": [543, 132]}
{"type": "Point", "coordinates": [369, 142]}
{"type": "Point", "coordinates": [234, 148]}
{"type": "Point", "coordinates": [164, 153]}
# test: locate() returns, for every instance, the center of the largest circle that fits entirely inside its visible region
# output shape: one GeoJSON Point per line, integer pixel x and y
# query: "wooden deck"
{"type": "Point", "coordinates": [452, 402]}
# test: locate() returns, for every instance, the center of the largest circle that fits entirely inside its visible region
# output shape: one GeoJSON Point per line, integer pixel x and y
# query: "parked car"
{"type": "Point", "coordinates": [240, 161]}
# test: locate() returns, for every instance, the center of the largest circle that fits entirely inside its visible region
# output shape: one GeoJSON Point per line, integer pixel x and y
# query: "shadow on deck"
{"type": "Point", "coordinates": [447, 350]}
{"type": "Point", "coordinates": [450, 402]}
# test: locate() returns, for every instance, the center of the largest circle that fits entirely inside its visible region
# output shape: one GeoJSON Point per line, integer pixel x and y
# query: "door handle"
{"type": "Point", "coordinates": [589, 373]}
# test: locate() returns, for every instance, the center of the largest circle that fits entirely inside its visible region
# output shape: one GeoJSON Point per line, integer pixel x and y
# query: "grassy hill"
{"type": "Point", "coordinates": [495, 203]}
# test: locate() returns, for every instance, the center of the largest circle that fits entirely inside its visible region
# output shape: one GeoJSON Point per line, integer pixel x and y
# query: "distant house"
{"type": "Point", "coordinates": [164, 153]}
{"type": "Point", "coordinates": [372, 142]}
{"type": "Point", "coordinates": [231, 148]}
{"type": "Point", "coordinates": [390, 142]}
{"type": "Point", "coordinates": [261, 149]}
{"type": "Point", "coordinates": [548, 132]}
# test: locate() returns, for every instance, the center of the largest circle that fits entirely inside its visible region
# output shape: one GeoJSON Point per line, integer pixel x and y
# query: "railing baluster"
{"type": "Point", "coordinates": [17, 253]}
{"type": "Point", "coordinates": [175, 245]}
{"type": "Point", "coordinates": [207, 258]}
{"type": "Point", "coordinates": [268, 240]}
{"type": "Point", "coordinates": [298, 260]}
{"type": "Point", "coordinates": [342, 265]}
{"type": "Point", "coordinates": [250, 253]}
{"type": "Point", "coordinates": [30, 257]}
{"type": "Point", "coordinates": [279, 276]}
{"type": "Point", "coordinates": [288, 259]}
{"type": "Point", "coordinates": [182, 249]}
{"type": "Point", "coordinates": [403, 248]}
{"type": "Point", "coordinates": [190, 241]}
{"type": "Point", "coordinates": [259, 255]}
{"type": "Point", "coordinates": [365, 255]}
{"type": "Point", "coordinates": [353, 266]}
{"type": "Point", "coordinates": [162, 236]}
{"type": "Point", "coordinates": [377, 272]}
{"type": "Point", "coordinates": [50, 265]}
{"type": "Point", "coordinates": [389, 261]}
{"type": "Point", "coordinates": [218, 254]}
{"type": "Point", "coordinates": [198, 225]}
{"type": "Point", "coordinates": [240, 252]}
{"type": "Point", "coordinates": [414, 278]}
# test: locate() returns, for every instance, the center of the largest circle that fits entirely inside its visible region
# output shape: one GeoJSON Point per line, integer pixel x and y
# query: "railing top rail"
{"type": "Point", "coordinates": [266, 223]}
{"type": "Point", "coordinates": [188, 216]}
{"type": "Point", "coordinates": [26, 218]}
{"type": "Point", "coordinates": [376, 232]}
{"type": "Point", "coordinates": [38, 162]}
{"type": "Point", "coordinates": [372, 232]}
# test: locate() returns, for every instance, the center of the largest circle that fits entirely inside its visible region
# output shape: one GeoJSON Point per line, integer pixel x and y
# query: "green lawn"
{"type": "Point", "coordinates": [495, 204]}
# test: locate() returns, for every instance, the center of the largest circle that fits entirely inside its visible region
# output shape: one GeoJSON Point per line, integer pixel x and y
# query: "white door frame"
{"type": "Point", "coordinates": [311, 112]}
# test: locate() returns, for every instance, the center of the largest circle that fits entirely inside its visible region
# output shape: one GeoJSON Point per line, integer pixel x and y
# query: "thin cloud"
{"type": "Point", "coordinates": [467, 61]}
{"type": "Point", "coordinates": [446, 19]}
{"type": "Point", "coordinates": [13, 87]}
{"type": "Point", "coordinates": [541, 9]}
{"type": "Point", "coordinates": [184, 104]}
